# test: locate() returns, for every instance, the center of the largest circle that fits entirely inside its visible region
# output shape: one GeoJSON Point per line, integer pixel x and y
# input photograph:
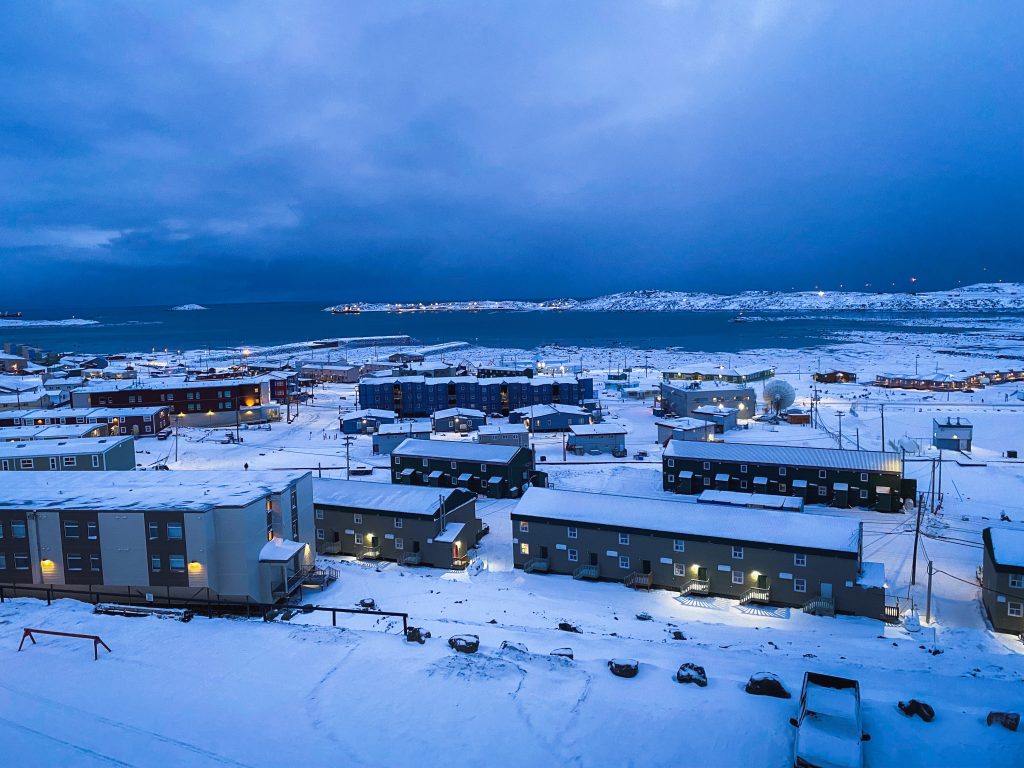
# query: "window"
{"type": "Point", "coordinates": [1012, 609]}
{"type": "Point", "coordinates": [154, 563]}
{"type": "Point", "coordinates": [624, 562]}
{"type": "Point", "coordinates": [70, 461]}
{"type": "Point", "coordinates": [782, 487]}
{"type": "Point", "coordinates": [26, 463]}
{"type": "Point", "coordinates": [574, 555]}
{"type": "Point", "coordinates": [95, 565]}
{"type": "Point", "coordinates": [3, 562]}
{"type": "Point", "coordinates": [1017, 581]}
{"type": "Point", "coordinates": [623, 538]}
{"type": "Point", "coordinates": [572, 532]}
{"type": "Point", "coordinates": [92, 530]}
{"type": "Point", "coordinates": [483, 467]}
{"type": "Point", "coordinates": [737, 553]}
{"type": "Point", "coordinates": [399, 522]}
{"type": "Point", "coordinates": [455, 465]}
{"type": "Point", "coordinates": [319, 514]}
{"type": "Point", "coordinates": [743, 485]}
{"type": "Point", "coordinates": [70, 529]}
{"type": "Point", "coordinates": [737, 577]}
{"type": "Point", "coordinates": [5, 465]}
{"type": "Point", "coordinates": [678, 569]}
{"type": "Point", "coordinates": [800, 560]}
{"type": "Point", "coordinates": [782, 471]}
{"type": "Point", "coordinates": [863, 477]}
{"type": "Point", "coordinates": [822, 490]}
{"type": "Point", "coordinates": [74, 562]}
{"type": "Point", "coordinates": [671, 462]}
{"type": "Point", "coordinates": [864, 493]}
{"type": "Point", "coordinates": [524, 527]}
{"type": "Point", "coordinates": [398, 459]}
{"type": "Point", "coordinates": [1, 530]}
{"type": "Point", "coordinates": [678, 545]}
{"type": "Point", "coordinates": [707, 465]}
{"type": "Point", "coordinates": [18, 529]}
{"type": "Point", "coordinates": [176, 563]}
{"type": "Point", "coordinates": [425, 463]}
{"type": "Point", "coordinates": [822, 474]}
{"type": "Point", "coordinates": [319, 534]}
{"type": "Point", "coordinates": [20, 561]}
{"type": "Point", "coordinates": [799, 585]}
{"type": "Point", "coordinates": [743, 469]}
{"type": "Point", "coordinates": [95, 462]}
{"type": "Point", "coordinates": [707, 481]}
{"type": "Point", "coordinates": [357, 519]}
{"type": "Point", "coordinates": [53, 462]}
{"type": "Point", "coordinates": [359, 538]}
{"type": "Point", "coordinates": [154, 531]}
{"type": "Point", "coordinates": [174, 531]}
{"type": "Point", "coordinates": [524, 548]}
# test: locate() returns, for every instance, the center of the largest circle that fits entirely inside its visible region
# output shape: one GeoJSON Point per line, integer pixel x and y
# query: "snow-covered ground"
{"type": "Point", "coordinates": [219, 691]}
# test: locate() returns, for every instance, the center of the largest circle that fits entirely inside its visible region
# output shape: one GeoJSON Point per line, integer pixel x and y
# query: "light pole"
{"type": "Point", "coordinates": [840, 414]}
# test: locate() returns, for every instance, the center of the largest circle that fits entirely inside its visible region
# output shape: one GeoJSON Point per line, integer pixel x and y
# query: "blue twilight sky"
{"type": "Point", "coordinates": [168, 151]}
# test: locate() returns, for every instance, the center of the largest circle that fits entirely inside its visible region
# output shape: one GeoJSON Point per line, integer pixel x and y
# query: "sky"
{"type": "Point", "coordinates": [232, 151]}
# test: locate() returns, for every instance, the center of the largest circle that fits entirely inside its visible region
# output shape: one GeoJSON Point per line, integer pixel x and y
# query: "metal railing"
{"type": "Point", "coordinates": [586, 572]}
{"type": "Point", "coordinates": [695, 587]}
{"type": "Point", "coordinates": [821, 606]}
{"type": "Point", "coordinates": [535, 564]}
{"type": "Point", "coordinates": [756, 595]}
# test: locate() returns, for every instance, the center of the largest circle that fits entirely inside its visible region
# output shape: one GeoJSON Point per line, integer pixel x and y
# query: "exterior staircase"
{"type": "Point", "coordinates": [640, 581]}
{"type": "Point", "coordinates": [756, 595]}
{"type": "Point", "coordinates": [369, 553]}
{"type": "Point", "coordinates": [412, 558]}
{"type": "Point", "coordinates": [535, 565]}
{"type": "Point", "coordinates": [587, 572]}
{"type": "Point", "coordinates": [821, 606]}
{"type": "Point", "coordinates": [698, 587]}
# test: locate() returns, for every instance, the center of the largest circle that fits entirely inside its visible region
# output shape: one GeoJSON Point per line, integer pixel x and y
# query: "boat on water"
{"type": "Point", "coordinates": [5, 315]}
{"type": "Point", "coordinates": [348, 309]}
{"type": "Point", "coordinates": [740, 318]}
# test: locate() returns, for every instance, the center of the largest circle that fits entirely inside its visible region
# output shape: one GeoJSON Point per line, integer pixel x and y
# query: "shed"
{"type": "Point", "coordinates": [952, 434]}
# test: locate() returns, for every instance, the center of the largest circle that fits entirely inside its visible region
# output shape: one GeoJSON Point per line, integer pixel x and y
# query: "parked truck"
{"type": "Point", "coordinates": [830, 731]}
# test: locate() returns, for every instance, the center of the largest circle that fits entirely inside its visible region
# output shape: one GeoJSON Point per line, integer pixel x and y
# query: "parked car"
{"type": "Point", "coordinates": [830, 732]}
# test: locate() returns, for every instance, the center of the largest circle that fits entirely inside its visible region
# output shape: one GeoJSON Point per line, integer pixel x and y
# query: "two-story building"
{"type": "Point", "coordinates": [1003, 578]}
{"type": "Point", "coordinates": [684, 398]}
{"type": "Point", "coordinates": [495, 471]}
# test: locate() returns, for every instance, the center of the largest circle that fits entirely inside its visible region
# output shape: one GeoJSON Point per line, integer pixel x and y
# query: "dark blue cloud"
{"type": "Point", "coordinates": [422, 149]}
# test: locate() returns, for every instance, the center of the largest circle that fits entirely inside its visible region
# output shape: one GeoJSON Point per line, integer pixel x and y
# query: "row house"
{"type": "Point", "coordinates": [495, 471]}
{"type": "Point", "coordinates": [85, 454]}
{"type": "Point", "coordinates": [138, 422]}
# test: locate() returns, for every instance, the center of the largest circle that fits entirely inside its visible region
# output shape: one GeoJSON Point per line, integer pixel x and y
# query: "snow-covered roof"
{"type": "Point", "coordinates": [368, 413]}
{"type": "Point", "coordinates": [279, 550]}
{"type": "Point", "coordinates": [170, 382]}
{"type": "Point", "coordinates": [938, 378]}
{"type": "Point", "coordinates": [793, 529]}
{"type": "Point", "coordinates": [740, 499]}
{"type": "Point", "coordinates": [538, 381]}
{"type": "Point", "coordinates": [51, 432]}
{"type": "Point", "coordinates": [715, 410]}
{"type": "Point", "coordinates": [457, 451]}
{"type": "Point", "coordinates": [379, 497]}
{"type": "Point", "coordinates": [70, 447]}
{"type": "Point", "coordinates": [450, 533]}
{"type": "Point", "coordinates": [1007, 546]}
{"type": "Point", "coordinates": [535, 411]}
{"type": "Point", "coordinates": [448, 413]}
{"type": "Point", "coordinates": [503, 429]}
{"type": "Point", "coordinates": [589, 430]}
{"type": "Point", "coordinates": [785, 455]}
{"type": "Point", "coordinates": [683, 422]}
{"type": "Point", "coordinates": [404, 428]}
{"type": "Point", "coordinates": [181, 491]}
{"type": "Point", "coordinates": [710, 369]}
{"type": "Point", "coordinates": [706, 385]}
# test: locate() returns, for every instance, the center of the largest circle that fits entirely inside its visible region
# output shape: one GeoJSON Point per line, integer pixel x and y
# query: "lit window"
{"type": "Point", "coordinates": [737, 577]}
{"type": "Point", "coordinates": [524, 548]}
{"type": "Point", "coordinates": [799, 585]}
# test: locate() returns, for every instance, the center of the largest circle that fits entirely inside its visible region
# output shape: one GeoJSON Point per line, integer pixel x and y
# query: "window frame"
{"type": "Point", "coordinates": [800, 585]}
{"type": "Point", "coordinates": [742, 577]}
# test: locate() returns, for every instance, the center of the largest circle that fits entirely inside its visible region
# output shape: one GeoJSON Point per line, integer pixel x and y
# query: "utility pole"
{"type": "Point", "coordinates": [840, 414]}
{"type": "Point", "coordinates": [928, 600]}
{"type": "Point", "coordinates": [563, 446]}
{"type": "Point", "coordinates": [858, 438]}
{"type": "Point", "coordinates": [917, 531]}
{"type": "Point", "coordinates": [348, 467]}
{"type": "Point", "coordinates": [881, 408]}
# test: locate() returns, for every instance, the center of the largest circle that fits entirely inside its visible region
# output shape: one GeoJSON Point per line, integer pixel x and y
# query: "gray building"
{"type": "Point", "coordinates": [597, 438]}
{"type": "Point", "coordinates": [461, 420]}
{"type": "Point", "coordinates": [551, 418]}
{"type": "Point", "coordinates": [495, 471]}
{"type": "Point", "coordinates": [682, 398]}
{"type": "Point", "coordinates": [233, 536]}
{"type": "Point", "coordinates": [330, 373]}
{"type": "Point", "coordinates": [952, 434]}
{"type": "Point", "coordinates": [713, 372]}
{"type": "Point", "coordinates": [683, 428]}
{"type": "Point", "coordinates": [390, 436]}
{"type": "Point", "coordinates": [1003, 579]}
{"type": "Point", "coordinates": [723, 417]}
{"type": "Point", "coordinates": [752, 555]}
{"type": "Point", "coordinates": [409, 525]}
{"type": "Point", "coordinates": [504, 434]}
{"type": "Point", "coordinates": [55, 432]}
{"type": "Point", "coordinates": [94, 454]}
{"type": "Point", "coordinates": [365, 421]}
{"type": "Point", "coordinates": [871, 479]}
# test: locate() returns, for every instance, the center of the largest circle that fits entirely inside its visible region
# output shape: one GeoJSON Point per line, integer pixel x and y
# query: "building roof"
{"type": "Point", "coordinates": [169, 382]}
{"type": "Point", "coordinates": [1007, 546]}
{"type": "Point", "coordinates": [490, 453]}
{"type": "Point", "coordinates": [754, 500]}
{"type": "Point", "coordinates": [182, 491]}
{"type": "Point", "coordinates": [793, 529]}
{"type": "Point", "coordinates": [710, 369]}
{"type": "Point", "coordinates": [503, 429]}
{"type": "Point", "coordinates": [444, 380]}
{"type": "Point", "coordinates": [938, 378]}
{"type": "Point", "coordinates": [70, 447]}
{"type": "Point", "coordinates": [279, 550]}
{"type": "Point", "coordinates": [784, 455]}
{"type": "Point", "coordinates": [683, 422]}
{"type": "Point", "coordinates": [715, 410]}
{"type": "Point", "coordinates": [380, 497]}
{"type": "Point", "coordinates": [534, 411]}
{"type": "Point", "coordinates": [448, 413]}
{"type": "Point", "coordinates": [594, 430]}
{"type": "Point", "coordinates": [368, 413]}
{"type": "Point", "coordinates": [51, 432]}
{"type": "Point", "coordinates": [404, 428]}
{"type": "Point", "coordinates": [450, 533]}
{"type": "Point", "coordinates": [705, 386]}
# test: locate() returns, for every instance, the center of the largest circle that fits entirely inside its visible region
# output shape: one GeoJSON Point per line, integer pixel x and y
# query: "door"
{"type": "Point", "coordinates": [763, 581]}
{"type": "Point", "coordinates": [826, 589]}
{"type": "Point", "coordinates": [415, 546]}
{"type": "Point", "coordinates": [702, 574]}
{"type": "Point", "coordinates": [646, 566]}
{"type": "Point", "coordinates": [543, 553]}
{"type": "Point", "coordinates": [593, 558]}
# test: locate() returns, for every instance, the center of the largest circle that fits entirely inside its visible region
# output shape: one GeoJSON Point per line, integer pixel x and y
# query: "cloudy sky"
{"type": "Point", "coordinates": [340, 150]}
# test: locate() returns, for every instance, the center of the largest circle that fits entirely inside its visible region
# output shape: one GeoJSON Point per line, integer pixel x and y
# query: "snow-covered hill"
{"type": "Point", "coordinates": [187, 308]}
{"type": "Point", "coordinates": [982, 296]}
